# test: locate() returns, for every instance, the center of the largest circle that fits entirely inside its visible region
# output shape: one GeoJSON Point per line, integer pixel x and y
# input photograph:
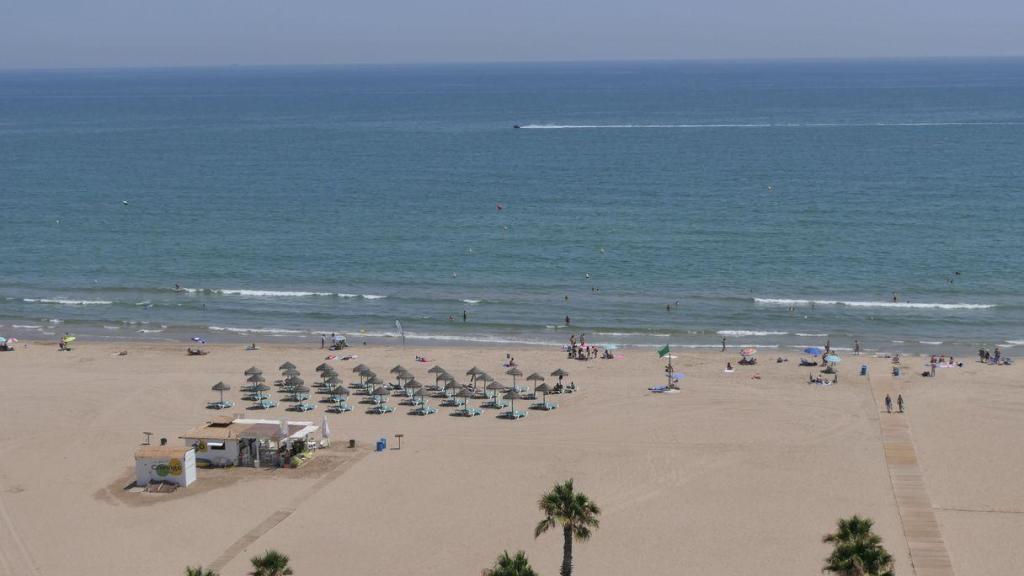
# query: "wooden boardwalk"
{"type": "Point", "coordinates": [928, 555]}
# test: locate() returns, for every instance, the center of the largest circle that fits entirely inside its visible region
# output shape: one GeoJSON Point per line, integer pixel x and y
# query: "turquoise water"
{"type": "Point", "coordinates": [288, 202]}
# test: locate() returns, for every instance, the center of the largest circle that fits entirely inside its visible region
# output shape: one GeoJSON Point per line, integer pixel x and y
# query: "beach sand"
{"type": "Point", "coordinates": [732, 476]}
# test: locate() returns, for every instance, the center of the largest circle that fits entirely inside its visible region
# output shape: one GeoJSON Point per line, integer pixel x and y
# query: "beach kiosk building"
{"type": "Point", "coordinates": [226, 441]}
{"type": "Point", "coordinates": [171, 464]}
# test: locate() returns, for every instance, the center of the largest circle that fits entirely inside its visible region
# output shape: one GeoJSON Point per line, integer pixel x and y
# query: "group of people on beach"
{"type": "Point", "coordinates": [580, 350]}
{"type": "Point", "coordinates": [995, 357]}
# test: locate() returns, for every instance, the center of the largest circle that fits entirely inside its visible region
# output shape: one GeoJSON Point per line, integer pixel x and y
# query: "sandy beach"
{"type": "Point", "coordinates": [732, 476]}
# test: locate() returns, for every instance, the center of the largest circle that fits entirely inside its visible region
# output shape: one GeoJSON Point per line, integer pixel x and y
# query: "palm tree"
{"type": "Point", "coordinates": [507, 565]}
{"type": "Point", "coordinates": [198, 571]}
{"type": "Point", "coordinates": [571, 510]}
{"type": "Point", "coordinates": [272, 563]}
{"type": "Point", "coordinates": [857, 551]}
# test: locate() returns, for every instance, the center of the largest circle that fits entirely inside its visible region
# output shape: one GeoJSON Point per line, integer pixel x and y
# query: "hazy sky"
{"type": "Point", "coordinates": [74, 33]}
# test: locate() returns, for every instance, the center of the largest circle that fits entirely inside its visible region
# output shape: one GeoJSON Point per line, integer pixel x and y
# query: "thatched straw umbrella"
{"type": "Point", "coordinates": [322, 367]}
{"type": "Point", "coordinates": [543, 389]}
{"type": "Point", "coordinates": [360, 368]}
{"type": "Point", "coordinates": [513, 372]}
{"type": "Point", "coordinates": [495, 387]}
{"type": "Point", "coordinates": [286, 366]}
{"type": "Point", "coordinates": [472, 372]}
{"type": "Point", "coordinates": [466, 394]}
{"type": "Point", "coordinates": [512, 395]}
{"type": "Point", "coordinates": [398, 368]}
{"type": "Point", "coordinates": [222, 388]}
{"type": "Point", "coordinates": [253, 370]}
{"type": "Point", "coordinates": [416, 388]}
{"type": "Point", "coordinates": [290, 372]}
{"type": "Point", "coordinates": [560, 373]}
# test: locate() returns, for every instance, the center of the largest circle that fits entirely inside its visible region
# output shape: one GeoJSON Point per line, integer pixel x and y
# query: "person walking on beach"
{"type": "Point", "coordinates": [888, 404]}
{"type": "Point", "coordinates": [723, 343]}
{"type": "Point", "coordinates": [856, 347]}
{"type": "Point", "coordinates": [899, 402]}
{"type": "Point", "coordinates": [323, 341]}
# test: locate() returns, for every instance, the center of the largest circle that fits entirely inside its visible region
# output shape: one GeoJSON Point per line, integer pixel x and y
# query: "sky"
{"type": "Point", "coordinates": [156, 33]}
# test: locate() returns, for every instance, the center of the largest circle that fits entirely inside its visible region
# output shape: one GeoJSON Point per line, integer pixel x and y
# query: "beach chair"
{"type": "Point", "coordinates": [381, 409]}
{"type": "Point", "coordinates": [513, 414]}
{"type": "Point", "coordinates": [543, 406]}
{"type": "Point", "coordinates": [264, 404]}
{"type": "Point", "coordinates": [468, 412]}
{"type": "Point", "coordinates": [423, 410]}
{"type": "Point", "coordinates": [339, 408]}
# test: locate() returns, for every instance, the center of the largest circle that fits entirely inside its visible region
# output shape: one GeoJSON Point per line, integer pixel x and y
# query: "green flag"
{"type": "Point", "coordinates": [663, 351]}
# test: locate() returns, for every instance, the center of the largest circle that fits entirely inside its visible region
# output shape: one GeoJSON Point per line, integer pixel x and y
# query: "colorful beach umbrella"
{"type": "Point", "coordinates": [832, 359]}
{"type": "Point", "coordinates": [813, 351]}
{"type": "Point", "coordinates": [748, 351]}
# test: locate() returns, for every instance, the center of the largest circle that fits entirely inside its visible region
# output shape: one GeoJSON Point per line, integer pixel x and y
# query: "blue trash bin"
{"type": "Point", "coordinates": [863, 369]}
{"type": "Point", "coordinates": [380, 445]}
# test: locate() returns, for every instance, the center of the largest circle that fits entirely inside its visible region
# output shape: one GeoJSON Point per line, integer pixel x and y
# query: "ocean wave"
{"type": "Point", "coordinates": [620, 334]}
{"type": "Point", "coordinates": [271, 331]}
{"type": "Point", "coordinates": [470, 301]}
{"type": "Point", "coordinates": [741, 333]}
{"type": "Point", "coordinates": [806, 335]}
{"type": "Point", "coordinates": [867, 304]}
{"type": "Point", "coordinates": [271, 293]}
{"type": "Point", "coordinates": [248, 293]}
{"type": "Point", "coordinates": [930, 342]}
{"type": "Point", "coordinates": [145, 331]}
{"type": "Point", "coordinates": [1015, 342]}
{"type": "Point", "coordinates": [26, 326]}
{"type": "Point", "coordinates": [66, 302]}
{"type": "Point", "coordinates": [108, 327]}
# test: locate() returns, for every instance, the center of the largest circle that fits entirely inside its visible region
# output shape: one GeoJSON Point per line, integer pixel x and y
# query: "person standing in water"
{"type": "Point", "coordinates": [567, 320]}
{"type": "Point", "coordinates": [464, 316]}
{"type": "Point", "coordinates": [723, 343]}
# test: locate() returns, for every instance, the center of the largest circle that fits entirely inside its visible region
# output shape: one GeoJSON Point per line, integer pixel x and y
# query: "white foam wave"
{"type": "Point", "coordinates": [111, 327]}
{"type": "Point", "coordinates": [55, 321]}
{"type": "Point", "coordinates": [271, 331]}
{"type": "Point", "coordinates": [470, 301]}
{"type": "Point", "coordinates": [1015, 342]}
{"type": "Point", "coordinates": [620, 334]}
{"type": "Point", "coordinates": [26, 326]}
{"type": "Point", "coordinates": [867, 304]}
{"type": "Point", "coordinates": [806, 335]}
{"type": "Point", "coordinates": [66, 302]}
{"type": "Point", "coordinates": [272, 293]}
{"type": "Point", "coordinates": [750, 333]}
{"type": "Point", "coordinates": [373, 296]}
{"type": "Point", "coordinates": [145, 331]}
{"type": "Point", "coordinates": [930, 342]}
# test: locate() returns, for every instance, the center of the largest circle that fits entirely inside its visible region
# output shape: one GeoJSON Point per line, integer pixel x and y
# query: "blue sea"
{"type": "Point", "coordinates": [776, 204]}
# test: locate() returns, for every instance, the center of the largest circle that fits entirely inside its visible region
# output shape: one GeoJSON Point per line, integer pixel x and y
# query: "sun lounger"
{"type": "Point", "coordinates": [543, 406]}
{"type": "Point", "coordinates": [423, 410]}
{"type": "Point", "coordinates": [218, 405]}
{"type": "Point", "coordinates": [264, 404]}
{"type": "Point", "coordinates": [339, 408]}
{"type": "Point", "coordinates": [467, 412]}
{"type": "Point", "coordinates": [303, 407]}
{"type": "Point", "coordinates": [513, 414]}
{"type": "Point", "coordinates": [381, 409]}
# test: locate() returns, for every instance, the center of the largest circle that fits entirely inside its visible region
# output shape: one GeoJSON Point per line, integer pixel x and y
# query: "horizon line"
{"type": "Point", "coordinates": [441, 63]}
